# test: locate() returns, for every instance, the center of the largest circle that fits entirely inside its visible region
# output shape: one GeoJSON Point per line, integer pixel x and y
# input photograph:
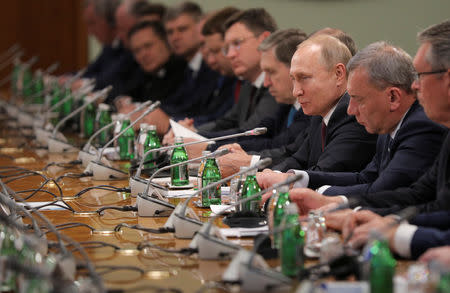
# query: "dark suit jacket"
{"type": "Point", "coordinates": [239, 116]}
{"type": "Point", "coordinates": [104, 67]}
{"type": "Point", "coordinates": [160, 85]}
{"type": "Point", "coordinates": [430, 193]}
{"type": "Point", "coordinates": [433, 231]}
{"type": "Point", "coordinates": [278, 134]}
{"type": "Point", "coordinates": [348, 147]}
{"type": "Point", "coordinates": [122, 73]}
{"type": "Point", "coordinates": [194, 91]}
{"type": "Point", "coordinates": [412, 152]}
{"type": "Point", "coordinates": [217, 104]}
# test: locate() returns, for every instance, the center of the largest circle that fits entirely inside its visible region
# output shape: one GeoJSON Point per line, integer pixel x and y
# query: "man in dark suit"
{"type": "Point", "coordinates": [162, 72]}
{"type": "Point", "coordinates": [380, 78]}
{"type": "Point", "coordinates": [289, 121]}
{"type": "Point", "coordinates": [244, 32]}
{"type": "Point", "coordinates": [431, 192]}
{"type": "Point", "coordinates": [335, 141]}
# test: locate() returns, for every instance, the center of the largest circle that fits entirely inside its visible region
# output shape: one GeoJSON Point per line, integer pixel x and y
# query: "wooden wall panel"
{"type": "Point", "coordinates": [52, 29]}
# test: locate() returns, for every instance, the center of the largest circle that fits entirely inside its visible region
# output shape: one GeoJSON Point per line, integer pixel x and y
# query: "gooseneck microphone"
{"type": "Point", "coordinates": [57, 146]}
{"type": "Point", "coordinates": [103, 172]}
{"type": "Point", "coordinates": [128, 115]}
{"type": "Point", "coordinates": [255, 131]}
{"type": "Point", "coordinates": [185, 227]}
{"type": "Point", "coordinates": [95, 97]}
{"type": "Point", "coordinates": [151, 206]}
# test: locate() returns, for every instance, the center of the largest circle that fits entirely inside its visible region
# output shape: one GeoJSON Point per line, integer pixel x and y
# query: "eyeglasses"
{"type": "Point", "coordinates": [236, 44]}
{"type": "Point", "coordinates": [419, 74]}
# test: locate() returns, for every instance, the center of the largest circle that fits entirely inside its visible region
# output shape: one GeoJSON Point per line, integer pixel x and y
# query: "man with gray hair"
{"type": "Point", "coordinates": [381, 99]}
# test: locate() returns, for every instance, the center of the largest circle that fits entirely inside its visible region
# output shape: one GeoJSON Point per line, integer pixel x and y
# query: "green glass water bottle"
{"type": "Point", "coordinates": [38, 90]}
{"type": "Point", "coordinates": [250, 188]}
{"type": "Point", "coordinates": [126, 141]}
{"type": "Point", "coordinates": [56, 97]}
{"type": "Point", "coordinates": [291, 243]}
{"type": "Point", "coordinates": [89, 118]}
{"type": "Point", "coordinates": [102, 119]}
{"type": "Point", "coordinates": [27, 83]}
{"type": "Point", "coordinates": [66, 107]}
{"type": "Point", "coordinates": [281, 201]}
{"type": "Point", "coordinates": [15, 75]}
{"type": "Point", "coordinates": [382, 267]}
{"type": "Point", "coordinates": [151, 142]}
{"type": "Point", "coordinates": [210, 174]}
{"type": "Point", "coordinates": [179, 175]}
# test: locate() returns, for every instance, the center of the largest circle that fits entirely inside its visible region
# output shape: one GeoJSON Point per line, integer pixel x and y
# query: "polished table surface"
{"type": "Point", "coordinates": [148, 267]}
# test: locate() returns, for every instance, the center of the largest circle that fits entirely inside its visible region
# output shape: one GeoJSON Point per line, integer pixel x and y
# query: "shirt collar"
{"type": "Point", "coordinates": [297, 105]}
{"type": "Point", "coordinates": [259, 80]}
{"type": "Point", "coordinates": [394, 132]}
{"type": "Point", "coordinates": [196, 62]}
{"type": "Point", "coordinates": [115, 43]}
{"type": "Point", "coordinates": [327, 117]}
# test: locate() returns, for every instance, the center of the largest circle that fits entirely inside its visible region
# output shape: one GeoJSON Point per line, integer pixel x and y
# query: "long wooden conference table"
{"type": "Point", "coordinates": [121, 264]}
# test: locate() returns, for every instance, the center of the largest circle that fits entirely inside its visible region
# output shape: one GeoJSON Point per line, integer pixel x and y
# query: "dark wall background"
{"type": "Point", "coordinates": [52, 29]}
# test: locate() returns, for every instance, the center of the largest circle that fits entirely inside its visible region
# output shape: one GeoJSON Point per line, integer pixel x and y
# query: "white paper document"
{"type": "Point", "coordinates": [244, 232]}
{"type": "Point", "coordinates": [182, 131]}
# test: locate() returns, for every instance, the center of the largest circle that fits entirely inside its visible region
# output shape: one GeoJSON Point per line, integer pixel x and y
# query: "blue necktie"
{"type": "Point", "coordinates": [291, 116]}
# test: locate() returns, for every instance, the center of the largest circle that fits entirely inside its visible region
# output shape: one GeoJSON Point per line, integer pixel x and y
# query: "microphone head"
{"type": "Point", "coordinates": [156, 104]}
{"type": "Point", "coordinates": [221, 152]}
{"type": "Point", "coordinates": [256, 131]}
{"type": "Point", "coordinates": [263, 163]}
{"type": "Point", "coordinates": [408, 213]}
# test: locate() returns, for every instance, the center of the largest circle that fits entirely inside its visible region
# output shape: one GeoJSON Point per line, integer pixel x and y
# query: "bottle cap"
{"type": "Point", "coordinates": [291, 209]}
{"type": "Point", "coordinates": [151, 127]}
{"type": "Point", "coordinates": [178, 139]}
{"type": "Point", "coordinates": [283, 189]}
{"type": "Point", "coordinates": [104, 107]}
{"type": "Point", "coordinates": [121, 116]}
{"type": "Point", "coordinates": [143, 126]}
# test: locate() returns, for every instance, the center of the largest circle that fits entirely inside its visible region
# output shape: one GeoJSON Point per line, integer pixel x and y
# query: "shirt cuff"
{"type": "Point", "coordinates": [303, 182]}
{"type": "Point", "coordinates": [402, 239]}
{"type": "Point", "coordinates": [255, 159]}
{"type": "Point", "coordinates": [322, 189]}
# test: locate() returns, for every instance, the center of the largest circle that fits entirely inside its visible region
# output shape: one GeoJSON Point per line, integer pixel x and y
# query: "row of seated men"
{"type": "Point", "coordinates": [368, 124]}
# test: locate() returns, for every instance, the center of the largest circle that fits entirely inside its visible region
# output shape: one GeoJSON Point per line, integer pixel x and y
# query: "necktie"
{"type": "Point", "coordinates": [251, 101]}
{"type": "Point", "coordinates": [387, 153]}
{"type": "Point", "coordinates": [237, 90]}
{"type": "Point", "coordinates": [324, 134]}
{"type": "Point", "coordinates": [291, 116]}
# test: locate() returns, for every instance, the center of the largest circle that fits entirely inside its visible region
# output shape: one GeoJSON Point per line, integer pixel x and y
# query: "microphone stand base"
{"type": "Point", "coordinates": [57, 146]}
{"type": "Point", "coordinates": [152, 207]}
{"type": "Point", "coordinates": [102, 172]}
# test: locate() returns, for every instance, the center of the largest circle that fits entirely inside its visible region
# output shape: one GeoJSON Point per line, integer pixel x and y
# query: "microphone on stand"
{"type": "Point", "coordinates": [10, 51]}
{"type": "Point", "coordinates": [137, 184]}
{"type": "Point", "coordinates": [42, 127]}
{"type": "Point", "coordinates": [89, 153]}
{"type": "Point", "coordinates": [103, 172]}
{"type": "Point", "coordinates": [149, 206]}
{"type": "Point", "coordinates": [11, 59]}
{"type": "Point", "coordinates": [58, 146]}
{"type": "Point", "coordinates": [185, 227]}
{"type": "Point", "coordinates": [211, 244]}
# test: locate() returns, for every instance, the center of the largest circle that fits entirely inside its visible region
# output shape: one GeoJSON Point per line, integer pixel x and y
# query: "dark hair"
{"type": "Point", "coordinates": [257, 20]}
{"type": "Point", "coordinates": [340, 35]}
{"type": "Point", "coordinates": [190, 8]}
{"type": "Point", "coordinates": [155, 26]}
{"type": "Point", "coordinates": [284, 43]}
{"type": "Point", "coordinates": [214, 23]}
{"type": "Point", "coordinates": [143, 8]}
{"type": "Point", "coordinates": [105, 9]}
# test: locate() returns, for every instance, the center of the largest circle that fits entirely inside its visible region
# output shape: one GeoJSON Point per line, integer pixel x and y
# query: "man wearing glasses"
{"type": "Point", "coordinates": [244, 32]}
